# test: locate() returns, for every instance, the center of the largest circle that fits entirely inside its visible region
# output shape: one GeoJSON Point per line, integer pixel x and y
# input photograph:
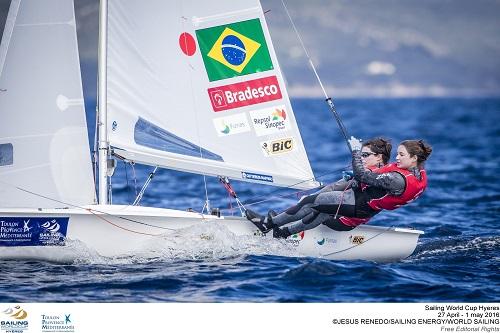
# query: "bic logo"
{"type": "Point", "coordinates": [277, 146]}
{"type": "Point", "coordinates": [358, 240]}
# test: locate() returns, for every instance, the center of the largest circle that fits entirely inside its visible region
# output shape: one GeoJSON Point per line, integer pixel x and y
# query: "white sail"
{"type": "Point", "coordinates": [43, 133]}
{"type": "Point", "coordinates": [198, 88]}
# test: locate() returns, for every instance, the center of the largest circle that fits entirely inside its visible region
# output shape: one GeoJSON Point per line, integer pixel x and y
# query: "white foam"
{"type": "Point", "coordinates": [478, 243]}
{"type": "Point", "coordinates": [210, 241]}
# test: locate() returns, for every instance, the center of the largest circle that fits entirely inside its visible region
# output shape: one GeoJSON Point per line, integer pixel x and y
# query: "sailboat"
{"type": "Point", "coordinates": [185, 85]}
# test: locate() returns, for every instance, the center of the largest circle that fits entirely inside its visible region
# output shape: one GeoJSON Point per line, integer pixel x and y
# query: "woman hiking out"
{"type": "Point", "coordinates": [387, 187]}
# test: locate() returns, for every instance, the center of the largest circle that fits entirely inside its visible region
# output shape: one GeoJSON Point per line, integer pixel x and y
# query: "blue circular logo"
{"type": "Point", "coordinates": [233, 50]}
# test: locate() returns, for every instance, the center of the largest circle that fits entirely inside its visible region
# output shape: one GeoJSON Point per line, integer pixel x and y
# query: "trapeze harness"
{"type": "Point", "coordinates": [371, 200]}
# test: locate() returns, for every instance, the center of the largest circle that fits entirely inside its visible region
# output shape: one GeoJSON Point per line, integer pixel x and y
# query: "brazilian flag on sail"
{"type": "Point", "coordinates": [234, 49]}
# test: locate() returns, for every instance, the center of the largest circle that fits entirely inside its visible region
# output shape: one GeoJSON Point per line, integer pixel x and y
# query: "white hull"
{"type": "Point", "coordinates": [121, 231]}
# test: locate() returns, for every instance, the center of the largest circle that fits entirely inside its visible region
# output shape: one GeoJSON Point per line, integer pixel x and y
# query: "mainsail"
{"type": "Point", "coordinates": [43, 133]}
{"type": "Point", "coordinates": [198, 88]}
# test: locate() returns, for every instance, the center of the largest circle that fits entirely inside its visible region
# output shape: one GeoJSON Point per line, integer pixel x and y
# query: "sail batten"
{"type": "Point", "coordinates": [197, 88]}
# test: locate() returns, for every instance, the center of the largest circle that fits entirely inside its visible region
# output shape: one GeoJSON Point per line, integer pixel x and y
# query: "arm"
{"type": "Point", "coordinates": [393, 182]}
{"type": "Point", "coordinates": [340, 185]}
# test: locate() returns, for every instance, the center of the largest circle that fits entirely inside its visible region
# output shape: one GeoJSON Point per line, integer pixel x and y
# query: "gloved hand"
{"type": "Point", "coordinates": [347, 175]}
{"type": "Point", "coordinates": [354, 143]}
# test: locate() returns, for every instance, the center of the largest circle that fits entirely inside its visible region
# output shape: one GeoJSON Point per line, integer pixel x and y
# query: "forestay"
{"type": "Point", "coordinates": [198, 88]}
{"type": "Point", "coordinates": [43, 133]}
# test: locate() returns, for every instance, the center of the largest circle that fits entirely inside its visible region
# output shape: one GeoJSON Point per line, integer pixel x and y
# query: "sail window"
{"type": "Point", "coordinates": [149, 135]}
{"type": "Point", "coordinates": [6, 154]}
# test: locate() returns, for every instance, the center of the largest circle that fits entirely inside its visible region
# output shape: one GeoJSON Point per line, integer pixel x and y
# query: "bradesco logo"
{"type": "Point", "coordinates": [244, 93]}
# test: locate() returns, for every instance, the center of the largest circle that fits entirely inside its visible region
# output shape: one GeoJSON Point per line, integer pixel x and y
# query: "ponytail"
{"type": "Point", "coordinates": [418, 148]}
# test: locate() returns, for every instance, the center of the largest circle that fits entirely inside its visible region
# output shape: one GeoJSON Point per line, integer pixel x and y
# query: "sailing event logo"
{"type": "Point", "coordinates": [270, 120]}
{"type": "Point", "coordinates": [16, 320]}
{"type": "Point", "coordinates": [31, 231]}
{"type": "Point", "coordinates": [52, 323]}
{"type": "Point", "coordinates": [275, 147]}
{"type": "Point", "coordinates": [234, 49]}
{"type": "Point", "coordinates": [244, 93]}
{"type": "Point", "coordinates": [234, 124]}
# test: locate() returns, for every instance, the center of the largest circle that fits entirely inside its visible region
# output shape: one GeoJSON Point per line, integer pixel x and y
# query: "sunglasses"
{"type": "Point", "coordinates": [366, 154]}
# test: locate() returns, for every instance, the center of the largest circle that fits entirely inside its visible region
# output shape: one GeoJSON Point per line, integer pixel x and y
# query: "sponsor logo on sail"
{"type": "Point", "coordinates": [234, 49]}
{"type": "Point", "coordinates": [274, 147]}
{"type": "Point", "coordinates": [256, 176]}
{"type": "Point", "coordinates": [270, 120]}
{"type": "Point", "coordinates": [31, 231]}
{"type": "Point", "coordinates": [52, 323]}
{"type": "Point", "coordinates": [244, 93]}
{"type": "Point", "coordinates": [14, 320]}
{"type": "Point", "coordinates": [229, 125]}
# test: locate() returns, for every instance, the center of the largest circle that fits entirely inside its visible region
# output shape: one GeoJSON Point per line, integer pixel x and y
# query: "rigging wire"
{"type": "Point", "coordinates": [143, 189]}
{"type": "Point", "coordinates": [132, 164]}
{"type": "Point", "coordinates": [126, 178]}
{"type": "Point", "coordinates": [328, 99]}
{"type": "Point", "coordinates": [91, 210]}
{"type": "Point", "coordinates": [270, 196]}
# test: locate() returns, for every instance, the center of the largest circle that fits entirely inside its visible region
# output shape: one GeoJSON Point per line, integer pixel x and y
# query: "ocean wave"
{"type": "Point", "coordinates": [456, 246]}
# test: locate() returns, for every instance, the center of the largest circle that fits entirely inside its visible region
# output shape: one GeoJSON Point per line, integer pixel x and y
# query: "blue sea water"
{"type": "Point", "coordinates": [456, 260]}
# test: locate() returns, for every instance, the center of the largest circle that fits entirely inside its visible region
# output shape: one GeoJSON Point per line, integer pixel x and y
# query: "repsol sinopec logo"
{"type": "Point", "coordinates": [244, 93]}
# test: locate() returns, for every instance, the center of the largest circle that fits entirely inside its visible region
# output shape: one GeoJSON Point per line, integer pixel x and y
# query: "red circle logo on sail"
{"type": "Point", "coordinates": [187, 44]}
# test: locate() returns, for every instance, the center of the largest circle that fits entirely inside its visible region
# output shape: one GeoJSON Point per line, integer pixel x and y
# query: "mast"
{"type": "Point", "coordinates": [102, 100]}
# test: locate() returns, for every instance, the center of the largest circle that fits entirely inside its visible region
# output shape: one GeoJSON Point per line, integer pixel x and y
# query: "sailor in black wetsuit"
{"type": "Point", "coordinates": [388, 187]}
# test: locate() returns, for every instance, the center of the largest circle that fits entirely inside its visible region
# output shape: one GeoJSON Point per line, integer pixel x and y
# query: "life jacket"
{"type": "Point", "coordinates": [414, 188]}
{"type": "Point", "coordinates": [355, 221]}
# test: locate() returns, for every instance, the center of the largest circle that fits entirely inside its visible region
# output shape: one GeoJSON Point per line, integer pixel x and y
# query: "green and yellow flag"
{"type": "Point", "coordinates": [234, 49]}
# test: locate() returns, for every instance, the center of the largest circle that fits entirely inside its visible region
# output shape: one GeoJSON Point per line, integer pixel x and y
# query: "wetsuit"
{"type": "Point", "coordinates": [320, 207]}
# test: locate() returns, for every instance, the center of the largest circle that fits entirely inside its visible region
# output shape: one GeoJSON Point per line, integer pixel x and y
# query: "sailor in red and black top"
{"type": "Point", "coordinates": [388, 187]}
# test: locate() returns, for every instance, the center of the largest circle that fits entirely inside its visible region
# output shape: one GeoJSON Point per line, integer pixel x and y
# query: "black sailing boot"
{"type": "Point", "coordinates": [269, 221]}
{"type": "Point", "coordinates": [281, 232]}
{"type": "Point", "coordinates": [270, 214]}
{"type": "Point", "coordinates": [257, 219]}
